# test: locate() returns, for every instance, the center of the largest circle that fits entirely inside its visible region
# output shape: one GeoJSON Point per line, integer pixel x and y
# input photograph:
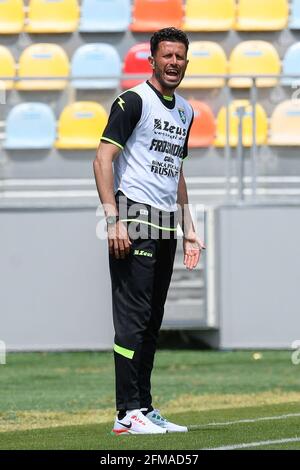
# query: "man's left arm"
{"type": "Point", "coordinates": [192, 244]}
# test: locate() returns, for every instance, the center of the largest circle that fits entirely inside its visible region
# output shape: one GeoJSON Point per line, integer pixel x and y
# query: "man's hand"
{"type": "Point", "coordinates": [118, 240]}
{"type": "Point", "coordinates": [192, 247]}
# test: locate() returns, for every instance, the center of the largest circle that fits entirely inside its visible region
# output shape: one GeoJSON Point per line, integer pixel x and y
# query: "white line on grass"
{"type": "Point", "coordinates": [255, 444]}
{"type": "Point", "coordinates": [250, 420]}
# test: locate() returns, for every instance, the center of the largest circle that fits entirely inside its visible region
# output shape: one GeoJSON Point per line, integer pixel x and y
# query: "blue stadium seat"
{"type": "Point", "coordinates": [95, 62]}
{"type": "Point", "coordinates": [291, 65]}
{"type": "Point", "coordinates": [295, 15]}
{"type": "Point", "coordinates": [30, 126]}
{"type": "Point", "coordinates": [105, 16]}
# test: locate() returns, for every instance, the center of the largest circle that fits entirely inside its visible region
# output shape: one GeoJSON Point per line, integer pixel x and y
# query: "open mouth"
{"type": "Point", "coordinates": [172, 74]}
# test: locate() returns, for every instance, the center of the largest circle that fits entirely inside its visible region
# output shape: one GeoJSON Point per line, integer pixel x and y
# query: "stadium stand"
{"type": "Point", "coordinates": [30, 126]}
{"type": "Point", "coordinates": [150, 15]}
{"type": "Point", "coordinates": [8, 68]}
{"type": "Point", "coordinates": [213, 15]}
{"type": "Point", "coordinates": [135, 63]}
{"type": "Point", "coordinates": [254, 58]}
{"type": "Point", "coordinates": [105, 16]}
{"type": "Point", "coordinates": [294, 22]}
{"type": "Point", "coordinates": [81, 125]}
{"type": "Point", "coordinates": [48, 16]}
{"type": "Point", "coordinates": [258, 15]}
{"type": "Point", "coordinates": [96, 66]}
{"type": "Point", "coordinates": [43, 60]}
{"type": "Point", "coordinates": [204, 127]}
{"type": "Point", "coordinates": [291, 65]}
{"type": "Point", "coordinates": [205, 58]}
{"type": "Point", "coordinates": [12, 16]}
{"type": "Point", "coordinates": [261, 125]}
{"type": "Point", "coordinates": [285, 124]}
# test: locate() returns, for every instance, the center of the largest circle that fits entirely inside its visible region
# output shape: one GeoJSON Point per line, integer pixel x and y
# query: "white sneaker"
{"type": "Point", "coordinates": [155, 417]}
{"type": "Point", "coordinates": [136, 423]}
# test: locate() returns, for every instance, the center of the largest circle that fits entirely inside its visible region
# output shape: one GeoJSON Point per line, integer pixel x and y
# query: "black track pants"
{"type": "Point", "coordinates": [140, 285]}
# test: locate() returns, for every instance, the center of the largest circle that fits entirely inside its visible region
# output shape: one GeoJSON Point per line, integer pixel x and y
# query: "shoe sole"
{"type": "Point", "coordinates": [127, 433]}
{"type": "Point", "coordinates": [183, 430]}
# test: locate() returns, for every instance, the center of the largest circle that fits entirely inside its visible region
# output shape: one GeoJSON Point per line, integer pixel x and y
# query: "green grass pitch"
{"type": "Point", "coordinates": [66, 401]}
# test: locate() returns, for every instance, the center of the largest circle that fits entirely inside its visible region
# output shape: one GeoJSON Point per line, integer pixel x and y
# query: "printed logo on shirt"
{"type": "Point", "coordinates": [170, 129]}
{"type": "Point", "coordinates": [164, 169]}
{"type": "Point", "coordinates": [164, 146]}
{"type": "Point", "coordinates": [157, 124]}
{"type": "Point", "coordinates": [121, 102]}
{"type": "Point", "coordinates": [182, 115]}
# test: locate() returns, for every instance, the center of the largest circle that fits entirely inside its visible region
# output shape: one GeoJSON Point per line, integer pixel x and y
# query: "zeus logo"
{"type": "Point", "coordinates": [157, 124]}
{"type": "Point", "coordinates": [121, 103]}
{"type": "Point", "coordinates": [166, 126]}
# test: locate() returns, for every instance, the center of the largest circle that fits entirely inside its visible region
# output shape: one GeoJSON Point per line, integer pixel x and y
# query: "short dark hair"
{"type": "Point", "coordinates": [168, 34]}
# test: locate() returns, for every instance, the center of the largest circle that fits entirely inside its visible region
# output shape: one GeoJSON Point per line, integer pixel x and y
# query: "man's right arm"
{"type": "Point", "coordinates": [103, 171]}
{"type": "Point", "coordinates": [124, 116]}
{"type": "Point", "coordinates": [118, 239]}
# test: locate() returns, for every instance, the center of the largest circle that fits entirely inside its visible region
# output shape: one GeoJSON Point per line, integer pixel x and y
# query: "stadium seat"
{"type": "Point", "coordinates": [254, 58]}
{"type": "Point", "coordinates": [105, 16]}
{"type": "Point", "coordinates": [261, 125]}
{"type": "Point", "coordinates": [136, 63]}
{"type": "Point", "coordinates": [48, 16]}
{"type": "Point", "coordinates": [212, 15]}
{"type": "Point", "coordinates": [8, 68]}
{"type": "Point", "coordinates": [294, 22]}
{"type": "Point", "coordinates": [285, 124]}
{"type": "Point", "coordinates": [81, 125]}
{"type": "Point", "coordinates": [291, 65]}
{"type": "Point", "coordinates": [205, 58]}
{"type": "Point", "coordinates": [203, 128]}
{"type": "Point", "coordinates": [11, 16]}
{"type": "Point", "coordinates": [262, 15]}
{"type": "Point", "coordinates": [30, 126]}
{"type": "Point", "coordinates": [151, 15]}
{"type": "Point", "coordinates": [98, 62]}
{"type": "Point", "coordinates": [43, 60]}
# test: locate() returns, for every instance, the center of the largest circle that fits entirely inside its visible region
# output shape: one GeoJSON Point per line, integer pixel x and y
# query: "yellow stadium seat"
{"type": "Point", "coordinates": [205, 58]}
{"type": "Point", "coordinates": [262, 15]}
{"type": "Point", "coordinates": [43, 60]}
{"type": "Point", "coordinates": [254, 58]}
{"type": "Point", "coordinates": [11, 16]}
{"type": "Point", "coordinates": [285, 124]}
{"type": "Point", "coordinates": [261, 125]}
{"type": "Point", "coordinates": [48, 16]}
{"type": "Point", "coordinates": [212, 15]}
{"type": "Point", "coordinates": [8, 68]}
{"type": "Point", "coordinates": [81, 125]}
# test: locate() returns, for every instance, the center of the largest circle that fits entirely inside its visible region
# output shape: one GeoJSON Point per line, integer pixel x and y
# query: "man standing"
{"type": "Point", "coordinates": [145, 142]}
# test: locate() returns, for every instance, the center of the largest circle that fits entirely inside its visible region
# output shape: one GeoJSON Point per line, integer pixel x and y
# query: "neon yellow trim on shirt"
{"type": "Point", "coordinates": [112, 142]}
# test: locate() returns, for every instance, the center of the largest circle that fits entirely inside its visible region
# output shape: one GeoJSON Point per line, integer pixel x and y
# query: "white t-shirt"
{"type": "Point", "coordinates": [152, 132]}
